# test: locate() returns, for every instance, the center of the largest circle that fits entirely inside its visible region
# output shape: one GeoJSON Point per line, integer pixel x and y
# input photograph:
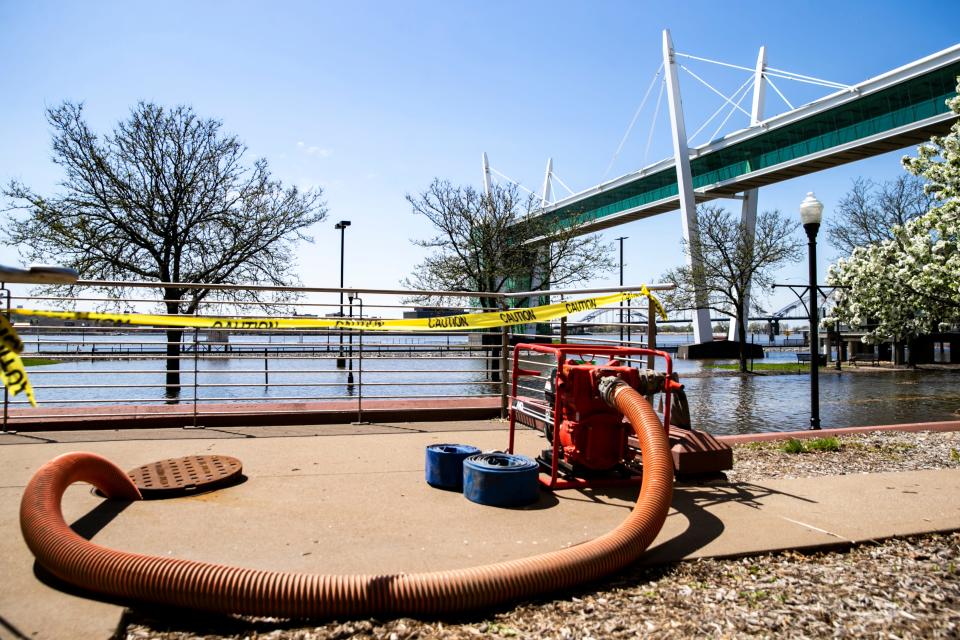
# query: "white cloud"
{"type": "Point", "coordinates": [314, 150]}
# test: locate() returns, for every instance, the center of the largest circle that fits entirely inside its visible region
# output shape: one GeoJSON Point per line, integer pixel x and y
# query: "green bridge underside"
{"type": "Point", "coordinates": [726, 170]}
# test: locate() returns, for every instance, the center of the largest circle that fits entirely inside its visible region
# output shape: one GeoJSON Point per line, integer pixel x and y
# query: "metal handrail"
{"type": "Point", "coordinates": [450, 364]}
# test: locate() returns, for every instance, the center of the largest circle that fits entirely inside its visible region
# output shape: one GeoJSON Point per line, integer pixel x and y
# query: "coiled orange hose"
{"type": "Point", "coordinates": [211, 587]}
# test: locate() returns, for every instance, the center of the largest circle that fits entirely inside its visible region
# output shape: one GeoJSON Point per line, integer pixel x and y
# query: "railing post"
{"type": "Point", "coordinates": [6, 392]}
{"type": "Point", "coordinates": [266, 369]}
{"type": "Point", "coordinates": [360, 419]}
{"type": "Point", "coordinates": [196, 369]}
{"type": "Point", "coordinates": [651, 332]}
{"type": "Point", "coordinates": [504, 355]}
{"type": "Point", "coordinates": [360, 373]}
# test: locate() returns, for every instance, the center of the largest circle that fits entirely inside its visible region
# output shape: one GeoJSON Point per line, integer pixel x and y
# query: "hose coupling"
{"type": "Point", "coordinates": [607, 388]}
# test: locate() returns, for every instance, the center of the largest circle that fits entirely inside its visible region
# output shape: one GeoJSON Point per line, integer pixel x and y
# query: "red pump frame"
{"type": "Point", "coordinates": [561, 351]}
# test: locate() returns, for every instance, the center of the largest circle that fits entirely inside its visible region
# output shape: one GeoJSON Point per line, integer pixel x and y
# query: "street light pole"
{"type": "Point", "coordinates": [811, 211]}
{"type": "Point", "coordinates": [620, 240]}
{"type": "Point", "coordinates": [342, 227]}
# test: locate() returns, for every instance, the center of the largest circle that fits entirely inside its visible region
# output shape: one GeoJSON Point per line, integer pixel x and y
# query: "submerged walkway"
{"type": "Point", "coordinates": [352, 499]}
{"type": "Point", "coordinates": [184, 413]}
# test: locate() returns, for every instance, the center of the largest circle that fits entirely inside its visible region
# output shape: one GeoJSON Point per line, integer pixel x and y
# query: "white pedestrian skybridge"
{"type": "Point", "coordinates": [897, 109]}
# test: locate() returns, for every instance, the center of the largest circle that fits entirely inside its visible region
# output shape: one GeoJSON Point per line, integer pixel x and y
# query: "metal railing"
{"type": "Point", "coordinates": [107, 370]}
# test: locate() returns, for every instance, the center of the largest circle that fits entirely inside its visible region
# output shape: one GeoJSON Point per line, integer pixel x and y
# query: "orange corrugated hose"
{"type": "Point", "coordinates": [211, 587]}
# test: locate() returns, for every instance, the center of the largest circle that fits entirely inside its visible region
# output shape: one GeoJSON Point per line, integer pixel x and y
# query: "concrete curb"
{"type": "Point", "coordinates": [248, 414]}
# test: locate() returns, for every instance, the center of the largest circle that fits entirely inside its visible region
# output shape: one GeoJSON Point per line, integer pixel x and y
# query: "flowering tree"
{"type": "Point", "coordinates": [910, 284]}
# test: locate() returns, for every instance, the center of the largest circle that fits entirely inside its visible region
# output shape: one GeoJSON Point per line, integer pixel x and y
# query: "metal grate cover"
{"type": "Point", "coordinates": [190, 474]}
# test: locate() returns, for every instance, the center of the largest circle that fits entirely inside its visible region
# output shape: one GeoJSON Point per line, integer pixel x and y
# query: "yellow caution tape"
{"type": "Point", "coordinates": [11, 366]}
{"type": "Point", "coordinates": [489, 320]}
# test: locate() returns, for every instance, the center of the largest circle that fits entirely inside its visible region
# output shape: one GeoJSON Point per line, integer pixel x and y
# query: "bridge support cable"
{"type": "Point", "coordinates": [768, 73]}
{"type": "Point", "coordinates": [748, 208]}
{"type": "Point", "coordinates": [717, 62]}
{"type": "Point", "coordinates": [737, 97]}
{"type": "Point", "coordinates": [702, 329]}
{"type": "Point", "coordinates": [653, 123]}
{"type": "Point", "coordinates": [780, 93]}
{"type": "Point", "coordinates": [717, 131]}
{"type": "Point", "coordinates": [563, 184]}
{"type": "Point", "coordinates": [511, 180]}
{"type": "Point", "coordinates": [790, 75]}
{"type": "Point", "coordinates": [633, 121]}
{"type": "Point", "coordinates": [780, 73]}
{"type": "Point", "coordinates": [716, 91]}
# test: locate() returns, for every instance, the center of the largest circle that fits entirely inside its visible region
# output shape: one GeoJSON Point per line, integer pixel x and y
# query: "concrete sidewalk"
{"type": "Point", "coordinates": [352, 499]}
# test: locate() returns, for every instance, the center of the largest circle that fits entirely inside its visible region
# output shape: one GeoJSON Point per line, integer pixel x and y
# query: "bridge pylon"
{"type": "Point", "coordinates": [748, 210]}
{"type": "Point", "coordinates": [702, 328]}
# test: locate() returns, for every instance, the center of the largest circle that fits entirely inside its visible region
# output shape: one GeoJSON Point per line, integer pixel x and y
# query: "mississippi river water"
{"type": "Point", "coordinates": [721, 404]}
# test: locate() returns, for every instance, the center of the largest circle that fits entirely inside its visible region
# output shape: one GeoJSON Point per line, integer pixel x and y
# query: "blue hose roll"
{"type": "Point", "coordinates": [501, 479]}
{"type": "Point", "coordinates": [444, 468]}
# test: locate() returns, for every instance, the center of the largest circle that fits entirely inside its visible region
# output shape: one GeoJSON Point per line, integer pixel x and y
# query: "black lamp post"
{"type": "Point", "coordinates": [342, 227]}
{"type": "Point", "coordinates": [620, 240]}
{"type": "Point", "coordinates": [811, 212]}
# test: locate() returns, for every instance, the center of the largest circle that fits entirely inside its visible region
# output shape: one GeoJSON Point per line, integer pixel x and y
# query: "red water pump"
{"type": "Point", "coordinates": [590, 439]}
{"type": "Point", "coordinates": [593, 435]}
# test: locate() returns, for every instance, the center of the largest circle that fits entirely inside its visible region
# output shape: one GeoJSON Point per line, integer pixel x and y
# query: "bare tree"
{"type": "Point", "coordinates": [492, 243]}
{"type": "Point", "coordinates": [730, 260]}
{"type": "Point", "coordinates": [165, 197]}
{"type": "Point", "coordinates": [869, 211]}
{"type": "Point", "coordinates": [486, 243]}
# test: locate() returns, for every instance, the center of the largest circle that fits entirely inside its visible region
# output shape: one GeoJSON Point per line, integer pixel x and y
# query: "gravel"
{"type": "Point", "coordinates": [872, 452]}
{"type": "Point", "coordinates": [897, 588]}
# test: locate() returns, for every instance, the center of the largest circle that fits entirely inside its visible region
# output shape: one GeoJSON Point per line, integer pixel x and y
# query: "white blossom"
{"type": "Point", "coordinates": [910, 284]}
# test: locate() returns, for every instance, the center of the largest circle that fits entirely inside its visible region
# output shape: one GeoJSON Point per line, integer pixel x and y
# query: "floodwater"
{"type": "Point", "coordinates": [720, 404]}
{"type": "Point", "coordinates": [752, 404]}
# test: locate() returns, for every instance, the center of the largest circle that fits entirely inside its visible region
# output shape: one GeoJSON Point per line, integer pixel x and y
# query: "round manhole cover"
{"type": "Point", "coordinates": [190, 474]}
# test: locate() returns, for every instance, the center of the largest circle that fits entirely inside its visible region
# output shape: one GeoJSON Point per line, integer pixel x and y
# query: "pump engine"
{"type": "Point", "coordinates": [593, 435]}
{"type": "Point", "coordinates": [588, 437]}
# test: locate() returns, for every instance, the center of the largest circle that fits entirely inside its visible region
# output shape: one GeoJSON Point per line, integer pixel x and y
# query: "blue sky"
{"type": "Point", "coordinates": [371, 101]}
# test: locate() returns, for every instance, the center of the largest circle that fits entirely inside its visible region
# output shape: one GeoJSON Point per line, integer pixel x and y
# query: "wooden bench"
{"type": "Point", "coordinates": [863, 357]}
{"type": "Point", "coordinates": [806, 357]}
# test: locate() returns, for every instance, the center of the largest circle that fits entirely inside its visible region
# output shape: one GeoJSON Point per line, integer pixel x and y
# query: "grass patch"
{"type": "Point", "coordinates": [824, 444]}
{"type": "Point", "coordinates": [793, 446]}
{"type": "Point", "coordinates": [817, 444]}
{"type": "Point", "coordinates": [786, 367]}
{"type": "Point", "coordinates": [37, 362]}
